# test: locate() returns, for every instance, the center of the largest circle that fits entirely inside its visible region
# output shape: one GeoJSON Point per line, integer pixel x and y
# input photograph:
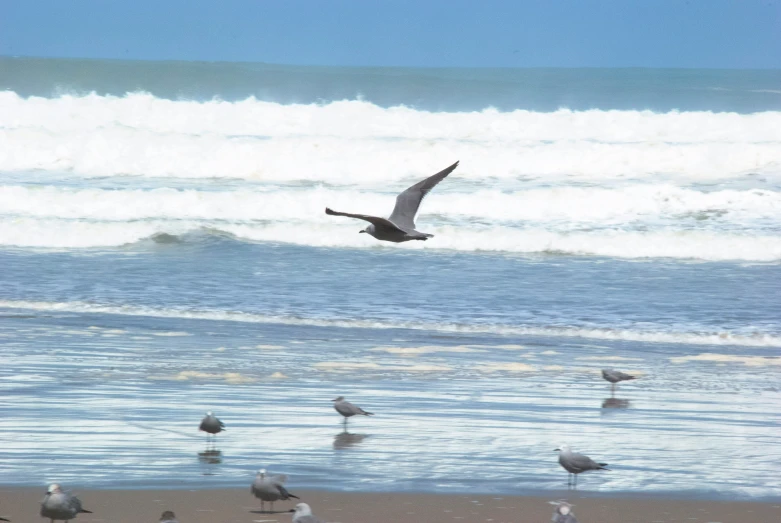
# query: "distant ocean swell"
{"type": "Point", "coordinates": [699, 337]}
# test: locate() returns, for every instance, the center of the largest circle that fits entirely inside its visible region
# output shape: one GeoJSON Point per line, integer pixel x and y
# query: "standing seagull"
{"type": "Point", "coordinates": [400, 225]}
{"type": "Point", "coordinates": [614, 376]}
{"type": "Point", "coordinates": [563, 513]}
{"type": "Point", "coordinates": [211, 426]}
{"type": "Point", "coordinates": [270, 488]}
{"type": "Point", "coordinates": [303, 514]}
{"type": "Point", "coordinates": [347, 409]}
{"type": "Point", "coordinates": [575, 463]}
{"type": "Point", "coordinates": [59, 505]}
{"type": "Point", "coordinates": [168, 517]}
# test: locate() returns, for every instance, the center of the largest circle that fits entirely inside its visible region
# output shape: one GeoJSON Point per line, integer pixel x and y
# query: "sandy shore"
{"type": "Point", "coordinates": [238, 505]}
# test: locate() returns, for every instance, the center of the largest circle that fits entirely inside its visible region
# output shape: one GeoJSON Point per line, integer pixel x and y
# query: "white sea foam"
{"type": "Point", "coordinates": [756, 339]}
{"type": "Point", "coordinates": [357, 142]}
{"type": "Point", "coordinates": [605, 183]}
{"type": "Point", "coordinates": [750, 361]}
{"type": "Point", "coordinates": [552, 204]}
{"type": "Point", "coordinates": [637, 221]}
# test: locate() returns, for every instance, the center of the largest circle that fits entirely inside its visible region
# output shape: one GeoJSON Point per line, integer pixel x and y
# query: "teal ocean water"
{"type": "Point", "coordinates": [164, 252]}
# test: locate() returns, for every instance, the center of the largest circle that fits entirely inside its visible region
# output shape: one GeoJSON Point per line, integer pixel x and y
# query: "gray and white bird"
{"type": "Point", "coordinates": [168, 517]}
{"type": "Point", "coordinates": [575, 463]}
{"type": "Point", "coordinates": [61, 506]}
{"type": "Point", "coordinates": [211, 426]}
{"type": "Point", "coordinates": [303, 514]}
{"type": "Point", "coordinates": [614, 376]}
{"type": "Point", "coordinates": [347, 409]}
{"type": "Point", "coordinates": [563, 512]}
{"type": "Point", "coordinates": [271, 488]}
{"type": "Point", "coordinates": [400, 225]}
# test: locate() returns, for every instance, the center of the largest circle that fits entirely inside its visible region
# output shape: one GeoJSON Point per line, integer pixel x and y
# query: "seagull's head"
{"type": "Point", "coordinates": [262, 472]}
{"type": "Point", "coordinates": [340, 398]}
{"type": "Point", "coordinates": [302, 509]}
{"type": "Point", "coordinates": [53, 488]}
{"type": "Point", "coordinates": [562, 448]}
{"type": "Point", "coordinates": [562, 507]}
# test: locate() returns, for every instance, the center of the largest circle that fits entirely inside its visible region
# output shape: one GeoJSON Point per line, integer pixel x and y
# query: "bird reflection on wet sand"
{"type": "Point", "coordinates": [346, 440]}
{"type": "Point", "coordinates": [210, 457]}
{"type": "Point", "coordinates": [615, 403]}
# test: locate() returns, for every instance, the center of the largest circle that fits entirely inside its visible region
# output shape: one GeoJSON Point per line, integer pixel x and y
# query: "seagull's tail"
{"type": "Point", "coordinates": [367, 413]}
{"type": "Point", "coordinates": [286, 494]}
{"type": "Point", "coordinates": [86, 511]}
{"type": "Point", "coordinates": [602, 466]}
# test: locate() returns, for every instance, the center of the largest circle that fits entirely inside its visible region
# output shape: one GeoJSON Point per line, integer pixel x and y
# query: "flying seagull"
{"type": "Point", "coordinates": [347, 409]}
{"type": "Point", "coordinates": [59, 505]}
{"type": "Point", "coordinates": [211, 426]}
{"type": "Point", "coordinates": [575, 463]}
{"type": "Point", "coordinates": [400, 225]}
{"type": "Point", "coordinates": [267, 487]}
{"type": "Point", "coordinates": [614, 376]}
{"type": "Point", "coordinates": [303, 514]}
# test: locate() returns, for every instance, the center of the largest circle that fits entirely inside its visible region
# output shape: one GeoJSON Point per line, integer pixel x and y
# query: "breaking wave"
{"type": "Point", "coordinates": [105, 171]}
{"type": "Point", "coordinates": [356, 142]}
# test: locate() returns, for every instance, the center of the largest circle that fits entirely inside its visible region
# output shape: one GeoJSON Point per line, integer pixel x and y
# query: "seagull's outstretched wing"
{"type": "Point", "coordinates": [408, 202]}
{"type": "Point", "coordinates": [377, 221]}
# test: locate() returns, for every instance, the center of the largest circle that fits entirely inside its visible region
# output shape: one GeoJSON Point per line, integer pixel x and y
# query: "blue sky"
{"type": "Point", "coordinates": [450, 33]}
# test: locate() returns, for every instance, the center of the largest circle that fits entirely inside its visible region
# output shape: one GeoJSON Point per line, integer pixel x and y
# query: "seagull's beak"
{"type": "Point", "coordinates": [292, 510]}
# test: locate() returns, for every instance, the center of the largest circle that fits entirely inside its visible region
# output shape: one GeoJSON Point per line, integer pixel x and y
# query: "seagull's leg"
{"type": "Point", "coordinates": [261, 505]}
{"type": "Point", "coordinates": [576, 481]}
{"type": "Point", "coordinates": [272, 506]}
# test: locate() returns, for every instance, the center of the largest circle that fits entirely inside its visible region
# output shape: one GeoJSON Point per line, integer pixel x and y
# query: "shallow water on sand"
{"type": "Point", "coordinates": [110, 359]}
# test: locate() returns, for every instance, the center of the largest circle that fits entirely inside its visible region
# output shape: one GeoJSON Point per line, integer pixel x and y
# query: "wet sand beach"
{"type": "Point", "coordinates": [238, 506]}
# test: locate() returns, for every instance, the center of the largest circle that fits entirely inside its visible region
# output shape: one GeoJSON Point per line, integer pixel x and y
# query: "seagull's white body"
{"type": "Point", "coordinates": [267, 487]}
{"type": "Point", "coordinates": [59, 505]}
{"type": "Point", "coordinates": [303, 514]}
{"type": "Point", "coordinates": [575, 463]}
